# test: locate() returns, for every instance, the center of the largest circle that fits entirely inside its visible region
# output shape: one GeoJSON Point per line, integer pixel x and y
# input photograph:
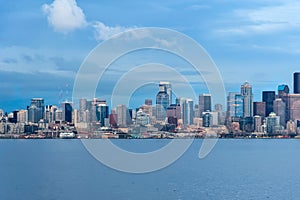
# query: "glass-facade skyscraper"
{"type": "Point", "coordinates": [268, 97]}
{"type": "Point", "coordinates": [246, 92]}
{"type": "Point", "coordinates": [36, 110]}
{"type": "Point", "coordinates": [297, 83]}
{"type": "Point", "coordinates": [204, 103]}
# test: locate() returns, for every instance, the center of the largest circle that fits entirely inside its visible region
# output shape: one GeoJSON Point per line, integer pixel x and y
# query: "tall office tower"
{"type": "Point", "coordinates": [36, 110]}
{"type": "Point", "coordinates": [82, 105]}
{"type": "Point", "coordinates": [188, 112]}
{"type": "Point", "coordinates": [181, 101]}
{"type": "Point", "coordinates": [92, 107]}
{"type": "Point", "coordinates": [297, 83]}
{"type": "Point", "coordinates": [279, 109]}
{"type": "Point", "coordinates": [283, 92]}
{"type": "Point", "coordinates": [67, 111]}
{"type": "Point", "coordinates": [162, 102]}
{"type": "Point", "coordinates": [148, 102]}
{"type": "Point", "coordinates": [259, 108]}
{"type": "Point", "coordinates": [122, 115]}
{"type": "Point", "coordinates": [102, 114]}
{"type": "Point", "coordinates": [272, 123]}
{"type": "Point", "coordinates": [235, 105]}
{"type": "Point", "coordinates": [268, 97]}
{"type": "Point", "coordinates": [294, 106]}
{"type": "Point", "coordinates": [166, 86]}
{"type": "Point", "coordinates": [204, 103]}
{"type": "Point", "coordinates": [246, 92]}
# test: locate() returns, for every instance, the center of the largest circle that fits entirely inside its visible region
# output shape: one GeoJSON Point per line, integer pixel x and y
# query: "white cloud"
{"type": "Point", "coordinates": [104, 32]}
{"type": "Point", "coordinates": [265, 20]}
{"type": "Point", "coordinates": [64, 15]}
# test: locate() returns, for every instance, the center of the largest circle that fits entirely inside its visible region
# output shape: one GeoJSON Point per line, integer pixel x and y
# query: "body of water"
{"type": "Point", "coordinates": [235, 169]}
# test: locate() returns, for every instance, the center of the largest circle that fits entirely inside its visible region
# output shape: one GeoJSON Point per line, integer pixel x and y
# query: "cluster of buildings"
{"type": "Point", "coordinates": [278, 113]}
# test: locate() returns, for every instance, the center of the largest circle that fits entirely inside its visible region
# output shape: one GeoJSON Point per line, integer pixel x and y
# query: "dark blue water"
{"type": "Point", "coordinates": [235, 169]}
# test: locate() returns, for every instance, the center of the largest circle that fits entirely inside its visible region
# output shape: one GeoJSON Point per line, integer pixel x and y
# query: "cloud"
{"type": "Point", "coordinates": [264, 20]}
{"type": "Point", "coordinates": [64, 15]}
{"type": "Point", "coordinates": [104, 32]}
{"type": "Point", "coordinates": [25, 60]}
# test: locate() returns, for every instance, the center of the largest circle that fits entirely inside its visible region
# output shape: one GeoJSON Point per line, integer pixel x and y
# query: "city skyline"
{"type": "Point", "coordinates": [246, 40]}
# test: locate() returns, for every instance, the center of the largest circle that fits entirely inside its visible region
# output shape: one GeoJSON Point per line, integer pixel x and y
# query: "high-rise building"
{"type": "Point", "coordinates": [259, 108]}
{"type": "Point", "coordinates": [294, 106]}
{"type": "Point", "coordinates": [189, 112]}
{"type": "Point", "coordinates": [67, 111]}
{"type": "Point", "coordinates": [279, 109]}
{"type": "Point", "coordinates": [235, 105]}
{"type": "Point", "coordinates": [36, 110]}
{"type": "Point", "coordinates": [204, 103]}
{"type": "Point", "coordinates": [102, 113]}
{"type": "Point", "coordinates": [168, 89]}
{"type": "Point", "coordinates": [246, 92]}
{"type": "Point", "coordinates": [283, 92]}
{"type": "Point", "coordinates": [122, 115]}
{"type": "Point", "coordinates": [268, 97]}
{"type": "Point", "coordinates": [272, 123]}
{"type": "Point", "coordinates": [297, 83]}
{"type": "Point", "coordinates": [162, 102]}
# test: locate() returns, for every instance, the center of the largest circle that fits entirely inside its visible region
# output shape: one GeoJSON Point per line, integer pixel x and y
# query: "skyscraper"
{"type": "Point", "coordinates": [297, 83]}
{"type": "Point", "coordinates": [259, 108]}
{"type": "Point", "coordinates": [268, 97]}
{"type": "Point", "coordinates": [36, 110]}
{"type": "Point", "coordinates": [294, 106]}
{"type": "Point", "coordinates": [235, 105]}
{"type": "Point", "coordinates": [166, 86]}
{"type": "Point", "coordinates": [189, 112]}
{"type": "Point", "coordinates": [102, 113]}
{"type": "Point", "coordinates": [246, 92]}
{"type": "Point", "coordinates": [67, 111]}
{"type": "Point", "coordinates": [279, 109]}
{"type": "Point", "coordinates": [204, 103]}
{"type": "Point", "coordinates": [122, 115]}
{"type": "Point", "coordinates": [162, 102]}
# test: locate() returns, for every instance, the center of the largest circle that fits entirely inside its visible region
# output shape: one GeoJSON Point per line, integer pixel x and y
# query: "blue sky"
{"type": "Point", "coordinates": [43, 43]}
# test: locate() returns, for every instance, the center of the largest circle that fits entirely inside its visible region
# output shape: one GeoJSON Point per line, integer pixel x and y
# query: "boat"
{"type": "Point", "coordinates": [67, 135]}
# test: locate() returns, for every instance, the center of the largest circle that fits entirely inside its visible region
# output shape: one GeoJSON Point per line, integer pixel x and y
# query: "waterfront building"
{"type": "Point", "coordinates": [204, 103]}
{"type": "Point", "coordinates": [272, 123]}
{"type": "Point", "coordinates": [246, 92]}
{"type": "Point", "coordinates": [268, 97]}
{"type": "Point", "coordinates": [257, 123]}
